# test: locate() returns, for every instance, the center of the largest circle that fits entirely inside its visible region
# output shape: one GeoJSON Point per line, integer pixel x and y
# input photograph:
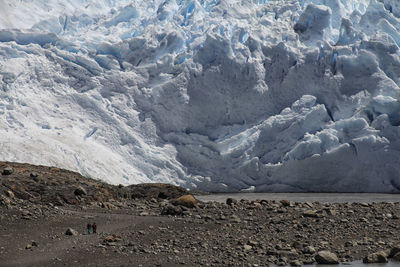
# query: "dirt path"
{"type": "Point", "coordinates": [57, 248]}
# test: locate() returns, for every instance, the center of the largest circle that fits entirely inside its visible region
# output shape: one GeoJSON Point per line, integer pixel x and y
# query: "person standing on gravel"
{"type": "Point", "coordinates": [89, 228]}
{"type": "Point", "coordinates": [94, 227]}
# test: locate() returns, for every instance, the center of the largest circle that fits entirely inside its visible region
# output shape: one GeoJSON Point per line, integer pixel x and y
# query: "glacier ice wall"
{"type": "Point", "coordinates": [217, 95]}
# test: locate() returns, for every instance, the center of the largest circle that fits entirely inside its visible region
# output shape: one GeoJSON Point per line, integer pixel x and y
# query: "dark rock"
{"type": "Point", "coordinates": [231, 201]}
{"type": "Point", "coordinates": [71, 231]}
{"type": "Point", "coordinates": [156, 190]}
{"type": "Point", "coordinates": [394, 250]}
{"type": "Point", "coordinates": [396, 257]}
{"type": "Point", "coordinates": [326, 257]}
{"type": "Point", "coordinates": [80, 191]}
{"type": "Point", "coordinates": [377, 257]}
{"type": "Point", "coordinates": [285, 203]}
{"type": "Point", "coordinates": [171, 210]}
{"type": "Point", "coordinates": [34, 174]}
{"type": "Point", "coordinates": [296, 263]}
{"type": "Point", "coordinates": [7, 171]}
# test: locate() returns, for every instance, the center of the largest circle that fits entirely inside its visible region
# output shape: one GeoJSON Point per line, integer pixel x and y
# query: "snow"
{"type": "Point", "coordinates": [215, 95]}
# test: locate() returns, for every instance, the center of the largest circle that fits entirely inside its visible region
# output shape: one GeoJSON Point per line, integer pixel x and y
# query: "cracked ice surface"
{"type": "Point", "coordinates": [210, 94]}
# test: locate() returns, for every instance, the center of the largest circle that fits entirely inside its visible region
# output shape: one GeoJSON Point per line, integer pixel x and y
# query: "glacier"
{"type": "Point", "coordinates": [215, 95]}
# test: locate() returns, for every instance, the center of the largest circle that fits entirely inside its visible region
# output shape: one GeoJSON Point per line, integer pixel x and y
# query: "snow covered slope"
{"type": "Point", "coordinates": [221, 95]}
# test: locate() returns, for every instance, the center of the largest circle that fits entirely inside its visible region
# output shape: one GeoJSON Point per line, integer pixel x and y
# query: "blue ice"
{"type": "Point", "coordinates": [243, 37]}
{"type": "Point", "coordinates": [334, 58]}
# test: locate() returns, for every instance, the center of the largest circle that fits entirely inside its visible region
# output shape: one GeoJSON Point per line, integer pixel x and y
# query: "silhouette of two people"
{"type": "Point", "coordinates": [91, 228]}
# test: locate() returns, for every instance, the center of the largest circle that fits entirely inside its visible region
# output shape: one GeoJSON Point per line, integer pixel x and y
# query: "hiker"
{"type": "Point", "coordinates": [89, 227]}
{"type": "Point", "coordinates": [94, 227]}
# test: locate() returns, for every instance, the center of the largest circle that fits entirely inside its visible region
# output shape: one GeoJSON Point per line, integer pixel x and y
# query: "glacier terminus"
{"type": "Point", "coordinates": [215, 95]}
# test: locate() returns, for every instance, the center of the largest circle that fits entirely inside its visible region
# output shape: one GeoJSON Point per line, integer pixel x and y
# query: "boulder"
{"type": "Point", "coordinates": [80, 191]}
{"type": "Point", "coordinates": [296, 263]}
{"type": "Point", "coordinates": [310, 213]}
{"type": "Point", "coordinates": [186, 200]}
{"type": "Point", "coordinates": [247, 247]}
{"type": "Point", "coordinates": [394, 250]}
{"type": "Point", "coordinates": [285, 203]}
{"type": "Point", "coordinates": [326, 257]}
{"type": "Point", "coordinates": [377, 257]}
{"type": "Point", "coordinates": [7, 171]}
{"type": "Point", "coordinates": [112, 238]}
{"type": "Point", "coordinates": [231, 201]}
{"type": "Point", "coordinates": [71, 231]}
{"type": "Point", "coordinates": [396, 257]}
{"type": "Point", "coordinates": [309, 250]}
{"type": "Point", "coordinates": [171, 210]}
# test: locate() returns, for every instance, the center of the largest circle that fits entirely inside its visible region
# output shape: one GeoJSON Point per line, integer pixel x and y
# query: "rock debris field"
{"type": "Point", "coordinates": [164, 225]}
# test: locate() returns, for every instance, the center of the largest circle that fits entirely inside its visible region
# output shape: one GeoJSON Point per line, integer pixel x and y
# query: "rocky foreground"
{"type": "Point", "coordinates": [45, 210]}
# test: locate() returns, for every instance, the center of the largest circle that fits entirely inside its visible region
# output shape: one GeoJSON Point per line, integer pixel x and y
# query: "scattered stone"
{"type": "Point", "coordinates": [34, 174]}
{"type": "Point", "coordinates": [71, 231]}
{"type": "Point", "coordinates": [4, 201]}
{"type": "Point", "coordinates": [234, 231]}
{"type": "Point", "coordinates": [29, 246]}
{"type": "Point", "coordinates": [377, 257]}
{"type": "Point", "coordinates": [326, 257]}
{"type": "Point", "coordinates": [7, 171]}
{"type": "Point", "coordinates": [108, 206]}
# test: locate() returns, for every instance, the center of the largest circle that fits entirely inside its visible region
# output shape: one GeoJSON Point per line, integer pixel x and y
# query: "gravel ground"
{"type": "Point", "coordinates": [152, 226]}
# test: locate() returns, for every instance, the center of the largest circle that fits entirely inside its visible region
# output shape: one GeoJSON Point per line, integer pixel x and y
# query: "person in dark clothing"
{"type": "Point", "coordinates": [89, 228]}
{"type": "Point", "coordinates": [94, 227]}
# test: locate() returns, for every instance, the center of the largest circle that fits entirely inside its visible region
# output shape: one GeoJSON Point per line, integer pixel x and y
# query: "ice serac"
{"type": "Point", "coordinates": [216, 95]}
